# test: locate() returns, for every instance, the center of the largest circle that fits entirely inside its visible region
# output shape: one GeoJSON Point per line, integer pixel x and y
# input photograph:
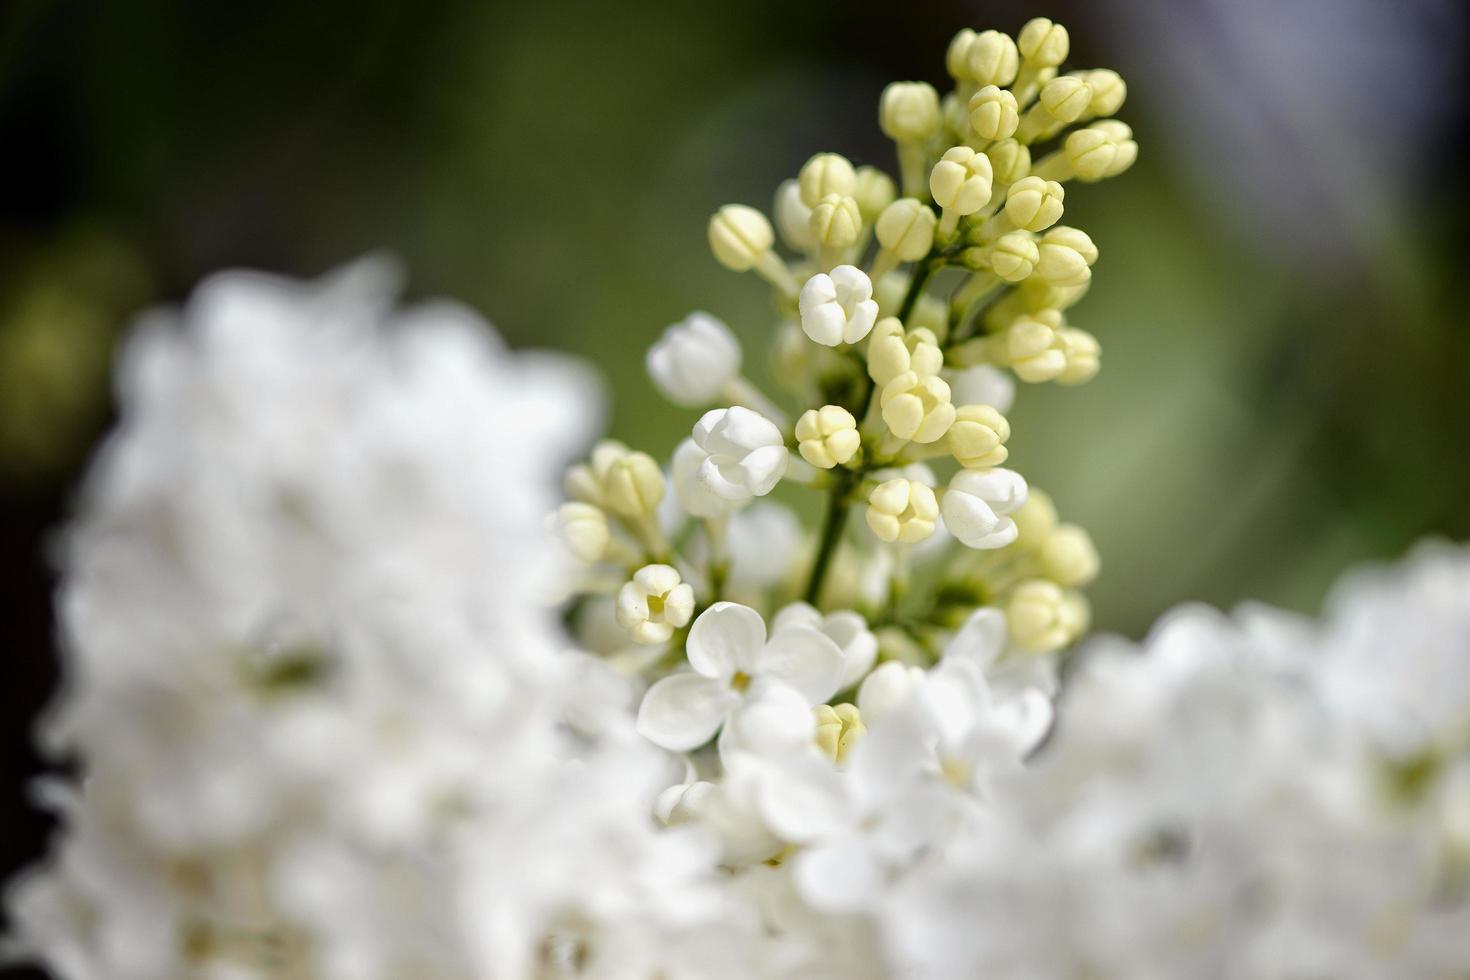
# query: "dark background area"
{"type": "Point", "coordinates": [1286, 384]}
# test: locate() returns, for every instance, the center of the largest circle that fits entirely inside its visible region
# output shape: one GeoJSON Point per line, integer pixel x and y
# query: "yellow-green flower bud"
{"type": "Point", "coordinates": [582, 528]}
{"type": "Point", "coordinates": [827, 436]}
{"type": "Point", "coordinates": [1108, 92]}
{"type": "Point", "coordinates": [1043, 43]}
{"type": "Point", "coordinates": [906, 228]}
{"type": "Point", "coordinates": [1062, 262]}
{"type": "Point", "coordinates": [1122, 135]}
{"type": "Point", "coordinates": [994, 114]}
{"type": "Point", "coordinates": [1010, 160]}
{"type": "Point", "coordinates": [836, 221]}
{"type": "Point", "coordinates": [1083, 352]}
{"type": "Point", "coordinates": [908, 112]}
{"type": "Point", "coordinates": [977, 437]}
{"type": "Point", "coordinates": [902, 510]}
{"type": "Point", "coordinates": [1090, 153]}
{"type": "Point", "coordinates": [1013, 256]}
{"type": "Point", "coordinates": [1073, 238]}
{"type": "Point", "coordinates": [824, 174]}
{"type": "Point", "coordinates": [838, 729]}
{"type": "Point", "coordinates": [1033, 204]}
{"type": "Point", "coordinates": [1036, 519]}
{"type": "Point", "coordinates": [1066, 98]}
{"type": "Point", "coordinates": [892, 352]}
{"type": "Point", "coordinates": [1032, 348]}
{"type": "Point", "coordinates": [957, 56]}
{"type": "Point", "coordinates": [633, 485]}
{"type": "Point", "coordinates": [1042, 617]}
{"type": "Point", "coordinates": [739, 236]}
{"type": "Point", "coordinates": [992, 59]}
{"type": "Point", "coordinates": [875, 191]}
{"type": "Point", "coordinates": [960, 181]}
{"type": "Point", "coordinates": [917, 408]}
{"type": "Point", "coordinates": [1068, 556]}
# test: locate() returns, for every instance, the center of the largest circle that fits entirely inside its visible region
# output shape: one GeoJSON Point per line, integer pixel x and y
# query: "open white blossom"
{"type": "Point", "coordinates": [735, 454]}
{"type": "Point", "coordinates": [729, 654]}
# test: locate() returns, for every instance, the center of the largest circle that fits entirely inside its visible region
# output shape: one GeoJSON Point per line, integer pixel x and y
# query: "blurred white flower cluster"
{"type": "Point", "coordinates": [327, 724]}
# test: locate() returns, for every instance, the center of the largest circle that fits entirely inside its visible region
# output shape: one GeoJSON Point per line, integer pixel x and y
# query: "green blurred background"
{"type": "Point", "coordinates": [1286, 382]}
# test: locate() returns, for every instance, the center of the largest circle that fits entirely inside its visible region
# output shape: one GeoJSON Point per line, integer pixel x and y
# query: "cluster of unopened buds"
{"type": "Point", "coordinates": [909, 306]}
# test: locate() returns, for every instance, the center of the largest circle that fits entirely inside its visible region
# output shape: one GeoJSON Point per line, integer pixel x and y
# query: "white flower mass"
{"type": "Point", "coordinates": [324, 719]}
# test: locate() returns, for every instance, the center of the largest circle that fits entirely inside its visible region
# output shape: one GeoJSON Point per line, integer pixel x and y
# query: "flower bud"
{"type": "Point", "coordinates": [994, 114]}
{"type": "Point", "coordinates": [917, 408]}
{"type": "Point", "coordinates": [875, 191]}
{"type": "Point", "coordinates": [908, 112]}
{"type": "Point", "coordinates": [992, 59]}
{"type": "Point", "coordinates": [694, 360]}
{"type": "Point", "coordinates": [1043, 43]}
{"type": "Point", "coordinates": [1066, 98]}
{"type": "Point", "coordinates": [1061, 264]}
{"type": "Point", "coordinates": [1073, 238]}
{"type": "Point", "coordinates": [1090, 153]}
{"type": "Point", "coordinates": [1082, 352]}
{"type": "Point", "coordinates": [960, 181]}
{"type": "Point", "coordinates": [633, 485]}
{"type": "Point", "coordinates": [1013, 256]}
{"type": "Point", "coordinates": [582, 528]}
{"type": "Point", "coordinates": [983, 385]}
{"type": "Point", "coordinates": [977, 437]}
{"type": "Point", "coordinates": [836, 221]}
{"type": "Point", "coordinates": [827, 436]}
{"type": "Point", "coordinates": [1068, 556]}
{"type": "Point", "coordinates": [739, 236]}
{"type": "Point", "coordinates": [906, 228]}
{"type": "Point", "coordinates": [793, 218]}
{"type": "Point", "coordinates": [902, 510]}
{"type": "Point", "coordinates": [892, 352]}
{"type": "Point", "coordinates": [1034, 204]}
{"type": "Point", "coordinates": [1042, 617]}
{"type": "Point", "coordinates": [1108, 92]}
{"type": "Point", "coordinates": [1122, 135]}
{"type": "Point", "coordinates": [977, 504]}
{"type": "Point", "coordinates": [1033, 349]}
{"type": "Point", "coordinates": [823, 174]}
{"type": "Point", "coordinates": [838, 307]}
{"type": "Point", "coordinates": [957, 56]}
{"type": "Point", "coordinates": [1010, 160]}
{"type": "Point", "coordinates": [1035, 519]}
{"type": "Point", "coordinates": [734, 454]}
{"type": "Point", "coordinates": [654, 604]}
{"type": "Point", "coordinates": [838, 729]}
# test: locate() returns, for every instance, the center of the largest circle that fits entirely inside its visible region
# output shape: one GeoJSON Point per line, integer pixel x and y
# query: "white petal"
{"type": "Point", "coordinates": [981, 639]}
{"type": "Point", "coordinates": [763, 468]}
{"type": "Point", "coordinates": [805, 659]}
{"type": "Point", "coordinates": [796, 614]}
{"type": "Point", "coordinates": [773, 722]}
{"type": "Point", "coordinates": [683, 711]}
{"type": "Point", "coordinates": [842, 875]}
{"type": "Point", "coordinates": [725, 638]}
{"type": "Point", "coordinates": [1026, 717]}
{"type": "Point", "coordinates": [803, 799]}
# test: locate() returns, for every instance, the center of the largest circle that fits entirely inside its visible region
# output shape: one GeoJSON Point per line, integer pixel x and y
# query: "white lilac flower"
{"type": "Point", "coordinates": [694, 361]}
{"type": "Point", "coordinates": [324, 732]}
{"type": "Point", "coordinates": [729, 656]}
{"type": "Point", "coordinates": [838, 307]}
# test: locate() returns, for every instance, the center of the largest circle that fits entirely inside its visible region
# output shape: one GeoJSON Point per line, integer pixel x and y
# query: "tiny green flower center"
{"type": "Point", "coordinates": [740, 681]}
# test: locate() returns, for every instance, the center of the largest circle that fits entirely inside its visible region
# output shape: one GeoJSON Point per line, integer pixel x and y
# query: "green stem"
{"type": "Point", "coordinates": [837, 506]}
